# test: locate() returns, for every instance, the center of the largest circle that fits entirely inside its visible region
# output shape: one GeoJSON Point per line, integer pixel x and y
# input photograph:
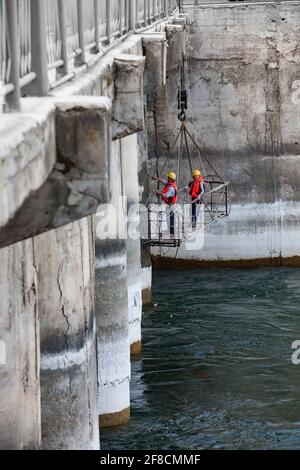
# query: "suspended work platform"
{"type": "Point", "coordinates": [213, 207]}
{"type": "Point", "coordinates": [170, 225]}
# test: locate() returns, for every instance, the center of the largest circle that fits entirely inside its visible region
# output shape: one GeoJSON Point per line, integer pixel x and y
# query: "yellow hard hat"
{"type": "Point", "coordinates": [171, 175]}
{"type": "Point", "coordinates": [196, 173]}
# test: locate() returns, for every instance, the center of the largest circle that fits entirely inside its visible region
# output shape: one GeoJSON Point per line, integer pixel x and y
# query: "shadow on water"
{"type": "Point", "coordinates": [216, 370]}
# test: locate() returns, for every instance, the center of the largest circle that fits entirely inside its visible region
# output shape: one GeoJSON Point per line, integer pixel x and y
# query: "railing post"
{"type": "Point", "coordinates": [127, 14]}
{"type": "Point", "coordinates": [97, 30]}
{"type": "Point", "coordinates": [132, 14]}
{"type": "Point", "coordinates": [145, 12]}
{"type": "Point", "coordinates": [136, 7]}
{"type": "Point", "coordinates": [80, 59]}
{"type": "Point", "coordinates": [121, 12]}
{"type": "Point", "coordinates": [13, 99]}
{"type": "Point", "coordinates": [39, 87]}
{"type": "Point", "coordinates": [108, 20]}
{"type": "Point", "coordinates": [64, 69]}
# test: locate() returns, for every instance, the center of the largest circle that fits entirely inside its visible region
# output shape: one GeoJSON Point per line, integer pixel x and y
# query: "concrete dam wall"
{"type": "Point", "coordinates": [243, 109]}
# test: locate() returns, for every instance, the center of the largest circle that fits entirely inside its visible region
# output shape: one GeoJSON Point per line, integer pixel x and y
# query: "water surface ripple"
{"type": "Point", "coordinates": [216, 370]}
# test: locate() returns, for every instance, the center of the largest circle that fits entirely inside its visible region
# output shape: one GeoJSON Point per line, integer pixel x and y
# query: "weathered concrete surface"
{"type": "Point", "coordinates": [176, 46]}
{"type": "Point", "coordinates": [100, 80]}
{"type": "Point", "coordinates": [243, 76]}
{"type": "Point", "coordinates": [65, 267]}
{"type": "Point", "coordinates": [128, 105]}
{"type": "Point", "coordinates": [143, 180]}
{"type": "Point", "coordinates": [19, 349]}
{"type": "Point", "coordinates": [34, 177]}
{"type": "Point", "coordinates": [112, 303]}
{"type": "Point", "coordinates": [62, 175]}
{"type": "Point", "coordinates": [146, 283]}
{"type": "Point", "coordinates": [165, 61]}
{"type": "Point", "coordinates": [155, 51]}
{"type": "Point", "coordinates": [27, 157]}
{"type": "Point", "coordinates": [63, 261]}
{"type": "Point", "coordinates": [129, 156]}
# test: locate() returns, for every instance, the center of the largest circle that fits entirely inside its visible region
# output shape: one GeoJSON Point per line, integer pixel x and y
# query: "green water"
{"type": "Point", "coordinates": [216, 369]}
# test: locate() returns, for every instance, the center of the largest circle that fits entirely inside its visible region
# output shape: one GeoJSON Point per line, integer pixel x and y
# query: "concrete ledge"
{"type": "Point", "coordinates": [146, 279]}
{"type": "Point", "coordinates": [99, 79]}
{"type": "Point", "coordinates": [56, 169]}
{"type": "Point", "coordinates": [257, 234]}
{"type": "Point", "coordinates": [147, 296]}
{"type": "Point", "coordinates": [180, 20]}
{"type": "Point", "coordinates": [83, 136]}
{"type": "Point", "coordinates": [172, 263]}
{"type": "Point", "coordinates": [136, 348]}
{"type": "Point", "coordinates": [27, 155]}
{"type": "Point", "coordinates": [259, 4]}
{"type": "Point", "coordinates": [128, 103]}
{"type": "Point", "coordinates": [155, 50]}
{"type": "Point", "coordinates": [114, 419]}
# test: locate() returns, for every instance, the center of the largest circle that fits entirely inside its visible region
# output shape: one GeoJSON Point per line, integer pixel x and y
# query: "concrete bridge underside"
{"type": "Point", "coordinates": [72, 295]}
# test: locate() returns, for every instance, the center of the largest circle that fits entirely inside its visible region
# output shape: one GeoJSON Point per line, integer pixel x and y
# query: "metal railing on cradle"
{"type": "Point", "coordinates": [44, 43]}
{"type": "Point", "coordinates": [211, 208]}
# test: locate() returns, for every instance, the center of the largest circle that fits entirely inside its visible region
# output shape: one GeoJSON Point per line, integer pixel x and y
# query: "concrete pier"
{"type": "Point", "coordinates": [19, 349]}
{"type": "Point", "coordinates": [64, 155]}
{"type": "Point", "coordinates": [76, 162]}
{"type": "Point", "coordinates": [69, 384]}
{"type": "Point", "coordinates": [144, 186]}
{"type": "Point", "coordinates": [146, 282]}
{"type": "Point", "coordinates": [112, 302]}
{"type": "Point", "coordinates": [129, 155]}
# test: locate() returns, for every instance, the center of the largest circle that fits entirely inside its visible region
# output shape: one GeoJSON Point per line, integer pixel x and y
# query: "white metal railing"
{"type": "Point", "coordinates": [89, 23]}
{"type": "Point", "coordinates": [42, 42]}
{"type": "Point", "coordinates": [141, 12]}
{"type": "Point", "coordinates": [53, 33]}
{"type": "Point", "coordinates": [5, 64]}
{"type": "Point", "coordinates": [115, 16]}
{"type": "Point", "coordinates": [102, 20]}
{"type": "Point", "coordinates": [72, 33]}
{"type": "Point", "coordinates": [24, 23]}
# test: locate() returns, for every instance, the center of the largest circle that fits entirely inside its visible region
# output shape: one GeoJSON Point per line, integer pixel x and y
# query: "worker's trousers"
{"type": "Point", "coordinates": [195, 206]}
{"type": "Point", "coordinates": [171, 220]}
